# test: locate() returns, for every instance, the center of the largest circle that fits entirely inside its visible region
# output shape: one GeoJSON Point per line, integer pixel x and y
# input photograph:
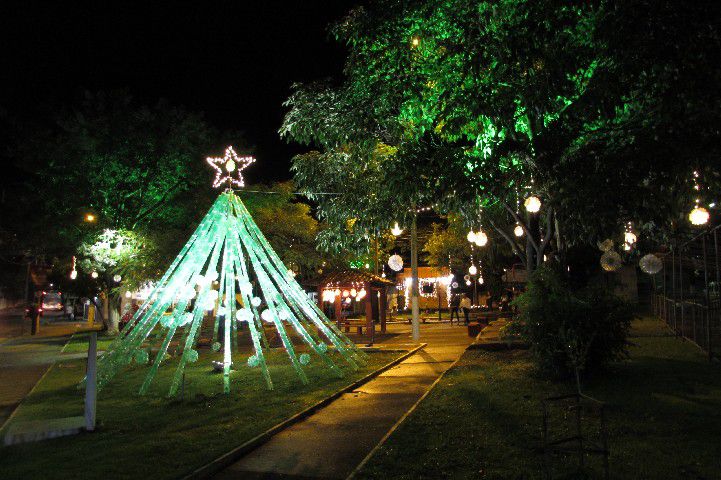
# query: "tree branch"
{"type": "Point", "coordinates": [516, 248]}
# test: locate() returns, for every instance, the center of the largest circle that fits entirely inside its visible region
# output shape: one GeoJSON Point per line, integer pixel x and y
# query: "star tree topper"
{"type": "Point", "coordinates": [225, 166]}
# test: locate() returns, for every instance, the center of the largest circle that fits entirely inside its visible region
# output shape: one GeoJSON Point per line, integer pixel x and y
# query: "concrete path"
{"type": "Point", "coordinates": [333, 441]}
{"type": "Point", "coordinates": [24, 360]}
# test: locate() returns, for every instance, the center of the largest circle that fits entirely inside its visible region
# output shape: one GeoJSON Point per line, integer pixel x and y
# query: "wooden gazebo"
{"type": "Point", "coordinates": [353, 287]}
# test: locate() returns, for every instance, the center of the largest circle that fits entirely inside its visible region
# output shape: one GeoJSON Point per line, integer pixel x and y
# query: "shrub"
{"type": "Point", "coordinates": [571, 330]}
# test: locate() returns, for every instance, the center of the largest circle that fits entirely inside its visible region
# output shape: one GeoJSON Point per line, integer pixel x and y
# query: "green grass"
{"type": "Point", "coordinates": [155, 437]}
{"type": "Point", "coordinates": [483, 420]}
{"type": "Point", "coordinates": [79, 342]}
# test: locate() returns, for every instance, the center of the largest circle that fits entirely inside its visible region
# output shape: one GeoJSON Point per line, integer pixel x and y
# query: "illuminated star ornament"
{"type": "Point", "coordinates": [227, 165]}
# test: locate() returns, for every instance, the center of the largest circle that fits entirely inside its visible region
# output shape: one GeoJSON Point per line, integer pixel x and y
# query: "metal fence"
{"type": "Point", "coordinates": [686, 291]}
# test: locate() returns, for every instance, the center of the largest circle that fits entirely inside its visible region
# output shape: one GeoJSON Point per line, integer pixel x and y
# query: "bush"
{"type": "Point", "coordinates": [571, 330]}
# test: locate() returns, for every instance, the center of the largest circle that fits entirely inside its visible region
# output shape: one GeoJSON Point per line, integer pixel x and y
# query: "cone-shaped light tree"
{"type": "Point", "coordinates": [226, 275]}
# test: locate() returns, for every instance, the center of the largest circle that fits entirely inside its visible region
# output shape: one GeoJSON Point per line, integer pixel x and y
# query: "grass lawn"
{"type": "Point", "coordinates": [483, 420]}
{"type": "Point", "coordinates": [154, 437]}
{"type": "Point", "coordinates": [79, 342]}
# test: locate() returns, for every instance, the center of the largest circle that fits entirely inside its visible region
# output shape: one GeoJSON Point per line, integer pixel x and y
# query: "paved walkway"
{"type": "Point", "coordinates": [332, 442]}
{"type": "Point", "coordinates": [24, 360]}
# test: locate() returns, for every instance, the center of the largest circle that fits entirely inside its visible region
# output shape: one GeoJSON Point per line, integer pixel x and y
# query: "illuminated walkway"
{"type": "Point", "coordinates": [333, 441]}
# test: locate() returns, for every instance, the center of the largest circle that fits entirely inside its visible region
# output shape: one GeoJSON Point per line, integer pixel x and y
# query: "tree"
{"type": "Point", "coordinates": [499, 100]}
{"type": "Point", "coordinates": [134, 168]}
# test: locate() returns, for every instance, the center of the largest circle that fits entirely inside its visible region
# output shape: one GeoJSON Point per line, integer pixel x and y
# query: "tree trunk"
{"type": "Point", "coordinates": [111, 312]}
{"type": "Point", "coordinates": [414, 281]}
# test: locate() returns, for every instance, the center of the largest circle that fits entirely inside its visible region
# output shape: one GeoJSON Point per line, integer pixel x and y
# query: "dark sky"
{"type": "Point", "coordinates": [235, 61]}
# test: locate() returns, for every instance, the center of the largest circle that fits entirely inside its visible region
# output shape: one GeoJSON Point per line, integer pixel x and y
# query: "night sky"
{"type": "Point", "coordinates": [234, 61]}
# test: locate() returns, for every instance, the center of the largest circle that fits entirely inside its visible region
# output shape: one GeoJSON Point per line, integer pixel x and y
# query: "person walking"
{"type": "Point", "coordinates": [455, 304]}
{"type": "Point", "coordinates": [466, 306]}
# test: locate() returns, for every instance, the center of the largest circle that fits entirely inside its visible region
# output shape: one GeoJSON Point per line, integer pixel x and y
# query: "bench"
{"type": "Point", "coordinates": [348, 323]}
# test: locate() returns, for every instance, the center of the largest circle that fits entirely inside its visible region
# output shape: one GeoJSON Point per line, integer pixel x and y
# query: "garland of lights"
{"type": "Point", "coordinates": [228, 273]}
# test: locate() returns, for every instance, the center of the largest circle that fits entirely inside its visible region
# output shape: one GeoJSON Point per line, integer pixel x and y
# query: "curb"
{"type": "Point", "coordinates": [402, 419]}
{"type": "Point", "coordinates": [232, 456]}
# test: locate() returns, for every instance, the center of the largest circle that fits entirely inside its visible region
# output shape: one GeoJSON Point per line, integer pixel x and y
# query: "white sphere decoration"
{"type": "Point", "coordinates": [73, 275]}
{"type": "Point", "coordinates": [211, 276]}
{"type": "Point", "coordinates": [480, 280]}
{"type": "Point", "coordinates": [128, 294]}
{"type": "Point", "coordinates": [267, 315]}
{"type": "Point", "coordinates": [471, 237]}
{"type": "Point", "coordinates": [255, 301]}
{"type": "Point", "coordinates": [481, 238]}
{"type": "Point", "coordinates": [472, 270]}
{"type": "Point", "coordinates": [94, 274]}
{"type": "Point", "coordinates": [699, 216]}
{"type": "Point", "coordinates": [283, 315]}
{"type": "Point", "coordinates": [629, 238]}
{"type": "Point", "coordinates": [650, 264]}
{"type": "Point", "coordinates": [611, 261]}
{"type": "Point", "coordinates": [245, 287]}
{"type": "Point", "coordinates": [606, 245]}
{"type": "Point", "coordinates": [518, 231]}
{"type": "Point", "coordinates": [244, 315]}
{"type": "Point", "coordinates": [117, 278]}
{"type": "Point", "coordinates": [230, 166]}
{"type": "Point", "coordinates": [468, 283]}
{"type": "Point", "coordinates": [454, 285]}
{"type": "Point", "coordinates": [532, 204]}
{"type": "Point", "coordinates": [396, 263]}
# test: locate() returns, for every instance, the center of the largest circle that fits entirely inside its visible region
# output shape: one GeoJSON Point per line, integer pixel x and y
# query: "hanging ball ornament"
{"type": "Point", "coordinates": [304, 359]}
{"type": "Point", "coordinates": [518, 231]}
{"type": "Point", "coordinates": [471, 237]}
{"type": "Point", "coordinates": [454, 285]}
{"type": "Point", "coordinates": [611, 261]}
{"type": "Point", "coordinates": [216, 346]}
{"type": "Point", "coordinates": [267, 315]}
{"type": "Point", "coordinates": [396, 263]}
{"type": "Point", "coordinates": [699, 216]}
{"type": "Point", "coordinates": [472, 270]}
{"type": "Point", "coordinates": [606, 245]}
{"type": "Point", "coordinates": [193, 356]}
{"type": "Point", "coordinates": [480, 280]}
{"type": "Point", "coordinates": [481, 238]}
{"type": "Point", "coordinates": [650, 264]}
{"type": "Point", "coordinates": [255, 301]}
{"type": "Point", "coordinates": [466, 277]}
{"type": "Point", "coordinates": [94, 274]}
{"type": "Point", "coordinates": [73, 275]}
{"type": "Point", "coordinates": [532, 204]}
{"type": "Point", "coordinates": [117, 278]}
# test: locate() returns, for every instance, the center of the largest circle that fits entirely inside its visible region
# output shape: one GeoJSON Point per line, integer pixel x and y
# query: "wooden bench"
{"type": "Point", "coordinates": [348, 323]}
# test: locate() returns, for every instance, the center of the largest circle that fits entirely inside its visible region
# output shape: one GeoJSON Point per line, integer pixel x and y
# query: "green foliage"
{"type": "Point", "coordinates": [476, 97]}
{"type": "Point", "coordinates": [287, 223]}
{"type": "Point", "coordinates": [137, 168]}
{"type": "Point", "coordinates": [571, 330]}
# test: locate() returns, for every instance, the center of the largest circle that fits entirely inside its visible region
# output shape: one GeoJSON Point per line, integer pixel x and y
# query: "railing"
{"type": "Point", "coordinates": [686, 291]}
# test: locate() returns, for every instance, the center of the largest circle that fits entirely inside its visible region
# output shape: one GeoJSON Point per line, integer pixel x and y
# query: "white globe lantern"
{"type": "Point", "coordinates": [396, 263]}
{"type": "Point", "coordinates": [117, 278]}
{"type": "Point", "coordinates": [699, 216]}
{"type": "Point", "coordinates": [471, 236]}
{"type": "Point", "coordinates": [481, 238]}
{"type": "Point", "coordinates": [532, 204]}
{"type": "Point", "coordinates": [472, 270]}
{"type": "Point", "coordinates": [94, 274]}
{"type": "Point", "coordinates": [267, 315]}
{"type": "Point", "coordinates": [518, 230]}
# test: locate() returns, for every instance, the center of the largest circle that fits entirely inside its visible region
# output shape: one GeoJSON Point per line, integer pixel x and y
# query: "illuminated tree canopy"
{"type": "Point", "coordinates": [470, 102]}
